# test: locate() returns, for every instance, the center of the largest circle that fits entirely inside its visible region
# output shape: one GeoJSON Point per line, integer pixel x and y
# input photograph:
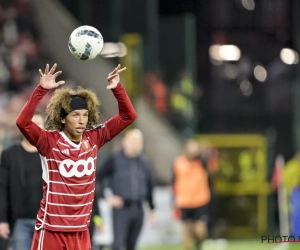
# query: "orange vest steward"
{"type": "Point", "coordinates": [191, 183]}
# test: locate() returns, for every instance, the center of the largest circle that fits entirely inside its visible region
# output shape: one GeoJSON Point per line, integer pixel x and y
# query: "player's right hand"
{"type": "Point", "coordinates": [4, 230]}
{"type": "Point", "coordinates": [114, 78]}
{"type": "Point", "coordinates": [47, 79]}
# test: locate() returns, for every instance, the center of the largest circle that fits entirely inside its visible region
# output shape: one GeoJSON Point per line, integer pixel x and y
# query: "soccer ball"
{"type": "Point", "coordinates": [85, 43]}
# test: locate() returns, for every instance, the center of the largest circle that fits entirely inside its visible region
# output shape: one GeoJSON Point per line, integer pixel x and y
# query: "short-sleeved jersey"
{"type": "Point", "coordinates": [69, 168]}
{"type": "Point", "coordinates": [191, 186]}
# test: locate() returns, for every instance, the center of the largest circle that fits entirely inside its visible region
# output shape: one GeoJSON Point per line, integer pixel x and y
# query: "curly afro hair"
{"type": "Point", "coordinates": [60, 104]}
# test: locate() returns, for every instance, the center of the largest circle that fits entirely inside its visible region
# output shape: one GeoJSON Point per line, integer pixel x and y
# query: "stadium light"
{"type": "Point", "coordinates": [289, 56]}
{"type": "Point", "coordinates": [248, 4]}
{"type": "Point", "coordinates": [114, 50]}
{"type": "Point", "coordinates": [260, 73]}
{"type": "Point", "coordinates": [246, 87]}
{"type": "Point", "coordinates": [224, 52]}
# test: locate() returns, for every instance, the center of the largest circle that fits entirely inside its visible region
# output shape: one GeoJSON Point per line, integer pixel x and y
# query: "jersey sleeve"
{"type": "Point", "coordinates": [126, 115]}
{"type": "Point", "coordinates": [32, 132]}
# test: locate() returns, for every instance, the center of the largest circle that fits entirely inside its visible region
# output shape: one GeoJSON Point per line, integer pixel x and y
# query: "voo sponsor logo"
{"type": "Point", "coordinates": [69, 168]}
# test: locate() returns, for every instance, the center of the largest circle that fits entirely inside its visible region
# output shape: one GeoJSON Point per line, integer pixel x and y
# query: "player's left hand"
{"type": "Point", "coordinates": [114, 78]}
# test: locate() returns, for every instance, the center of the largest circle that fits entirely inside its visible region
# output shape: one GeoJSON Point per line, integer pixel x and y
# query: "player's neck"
{"type": "Point", "coordinates": [28, 147]}
{"type": "Point", "coordinates": [72, 138]}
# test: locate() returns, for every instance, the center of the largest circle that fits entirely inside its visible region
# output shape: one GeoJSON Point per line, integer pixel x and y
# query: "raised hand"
{"type": "Point", "coordinates": [114, 78]}
{"type": "Point", "coordinates": [47, 79]}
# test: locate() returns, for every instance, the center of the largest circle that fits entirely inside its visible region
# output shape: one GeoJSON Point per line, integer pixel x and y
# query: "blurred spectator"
{"type": "Point", "coordinates": [156, 92]}
{"type": "Point", "coordinates": [291, 173]}
{"type": "Point", "coordinates": [20, 56]}
{"type": "Point", "coordinates": [183, 97]}
{"type": "Point", "coordinates": [177, 103]}
{"type": "Point", "coordinates": [192, 194]}
{"type": "Point", "coordinates": [131, 184]}
{"type": "Point", "coordinates": [19, 50]}
{"type": "Point", "coordinates": [291, 182]}
{"type": "Point", "coordinates": [21, 191]}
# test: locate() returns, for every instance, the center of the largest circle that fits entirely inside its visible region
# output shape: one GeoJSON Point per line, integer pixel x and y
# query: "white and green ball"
{"type": "Point", "coordinates": [85, 43]}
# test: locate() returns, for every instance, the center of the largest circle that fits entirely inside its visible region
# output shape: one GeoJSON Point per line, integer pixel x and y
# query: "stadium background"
{"type": "Point", "coordinates": [224, 71]}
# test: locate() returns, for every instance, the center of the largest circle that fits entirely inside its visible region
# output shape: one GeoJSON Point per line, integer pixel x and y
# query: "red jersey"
{"type": "Point", "coordinates": [69, 168]}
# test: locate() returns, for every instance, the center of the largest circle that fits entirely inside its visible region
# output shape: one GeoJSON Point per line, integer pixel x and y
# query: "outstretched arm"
{"type": "Point", "coordinates": [125, 116]}
{"type": "Point", "coordinates": [29, 129]}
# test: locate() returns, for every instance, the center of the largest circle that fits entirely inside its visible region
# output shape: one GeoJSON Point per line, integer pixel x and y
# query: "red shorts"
{"type": "Point", "coordinates": [48, 240]}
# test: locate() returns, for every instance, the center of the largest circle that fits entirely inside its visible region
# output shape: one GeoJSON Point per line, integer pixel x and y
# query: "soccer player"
{"type": "Point", "coordinates": [68, 147]}
{"type": "Point", "coordinates": [192, 194]}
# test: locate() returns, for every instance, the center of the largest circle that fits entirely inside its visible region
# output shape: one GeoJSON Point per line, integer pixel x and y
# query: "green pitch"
{"type": "Point", "coordinates": [237, 245]}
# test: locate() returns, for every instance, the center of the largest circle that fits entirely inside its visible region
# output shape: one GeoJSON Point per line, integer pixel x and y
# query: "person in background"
{"type": "Point", "coordinates": [132, 184]}
{"type": "Point", "coordinates": [191, 194]}
{"type": "Point", "coordinates": [21, 190]}
{"type": "Point", "coordinates": [291, 183]}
